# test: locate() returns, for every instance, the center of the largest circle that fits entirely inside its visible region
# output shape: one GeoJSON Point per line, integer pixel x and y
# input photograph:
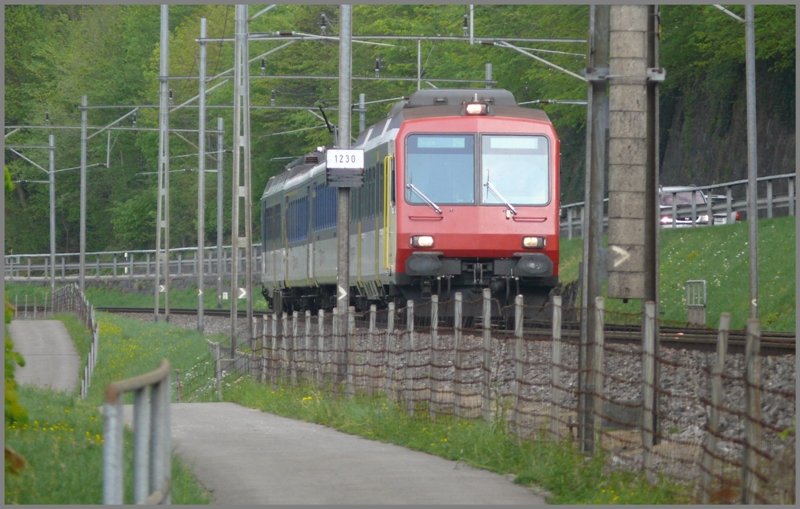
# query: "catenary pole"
{"type": "Point", "coordinates": [220, 184]}
{"type": "Point", "coordinates": [242, 196]}
{"type": "Point", "coordinates": [82, 256]}
{"type": "Point", "coordinates": [51, 174]}
{"type": "Point", "coordinates": [343, 209]}
{"type": "Point", "coordinates": [162, 209]}
{"type": "Point", "coordinates": [596, 127]}
{"type": "Point", "coordinates": [201, 175]}
{"type": "Point", "coordinates": [752, 155]}
{"type": "Point", "coordinates": [652, 226]}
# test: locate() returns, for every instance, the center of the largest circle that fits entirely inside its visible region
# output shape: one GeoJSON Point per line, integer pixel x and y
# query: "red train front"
{"type": "Point", "coordinates": [477, 202]}
{"type": "Point", "coordinates": [460, 193]}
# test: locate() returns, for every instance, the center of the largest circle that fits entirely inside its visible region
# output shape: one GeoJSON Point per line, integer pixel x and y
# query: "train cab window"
{"type": "Point", "coordinates": [514, 169]}
{"type": "Point", "coordinates": [440, 167]}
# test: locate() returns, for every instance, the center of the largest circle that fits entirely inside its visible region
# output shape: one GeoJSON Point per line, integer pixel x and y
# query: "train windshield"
{"type": "Point", "coordinates": [441, 167]}
{"type": "Point", "coordinates": [514, 170]}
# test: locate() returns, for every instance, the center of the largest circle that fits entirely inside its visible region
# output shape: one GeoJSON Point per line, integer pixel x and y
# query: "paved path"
{"type": "Point", "coordinates": [50, 357]}
{"type": "Point", "coordinates": [245, 456]}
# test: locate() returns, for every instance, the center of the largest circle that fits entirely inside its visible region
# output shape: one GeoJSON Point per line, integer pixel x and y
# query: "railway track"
{"type": "Point", "coordinates": [772, 343]}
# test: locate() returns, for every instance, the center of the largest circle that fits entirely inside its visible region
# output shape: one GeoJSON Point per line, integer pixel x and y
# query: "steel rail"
{"type": "Point", "coordinates": [693, 338]}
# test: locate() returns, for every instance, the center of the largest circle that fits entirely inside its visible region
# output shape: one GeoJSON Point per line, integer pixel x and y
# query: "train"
{"type": "Point", "coordinates": [460, 193]}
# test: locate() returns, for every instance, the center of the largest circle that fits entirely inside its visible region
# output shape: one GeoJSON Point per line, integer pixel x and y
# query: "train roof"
{"type": "Point", "coordinates": [297, 170]}
{"type": "Point", "coordinates": [426, 103]}
{"type": "Point", "coordinates": [449, 103]}
{"type": "Point", "coordinates": [442, 97]}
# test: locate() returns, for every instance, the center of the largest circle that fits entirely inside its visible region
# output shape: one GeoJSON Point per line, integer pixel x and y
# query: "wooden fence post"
{"type": "Point", "coordinates": [372, 369]}
{"type": "Point", "coordinates": [254, 344]}
{"type": "Point", "coordinates": [285, 349]}
{"type": "Point", "coordinates": [486, 400]}
{"type": "Point", "coordinates": [320, 346]}
{"type": "Point", "coordinates": [556, 398]}
{"type": "Point", "coordinates": [409, 371]}
{"type": "Point", "coordinates": [218, 370]}
{"type": "Point", "coordinates": [293, 349]}
{"type": "Point", "coordinates": [648, 389]}
{"type": "Point", "coordinates": [459, 358]}
{"type": "Point", "coordinates": [275, 360]}
{"type": "Point", "coordinates": [389, 346]}
{"type": "Point", "coordinates": [264, 325]}
{"type": "Point", "coordinates": [710, 442]}
{"type": "Point", "coordinates": [307, 347]}
{"type": "Point", "coordinates": [752, 422]}
{"type": "Point", "coordinates": [599, 340]}
{"type": "Point", "coordinates": [519, 362]}
{"type": "Point", "coordinates": [433, 383]}
{"type": "Point", "coordinates": [337, 340]}
{"type": "Point", "coordinates": [350, 357]}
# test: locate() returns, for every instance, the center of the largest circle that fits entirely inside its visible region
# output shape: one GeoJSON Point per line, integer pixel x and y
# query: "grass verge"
{"type": "Point", "coordinates": [568, 476]}
{"type": "Point", "coordinates": [62, 439]}
{"type": "Point", "coordinates": [62, 443]}
{"type": "Point", "coordinates": [110, 294]}
{"type": "Point", "coordinates": [720, 256]}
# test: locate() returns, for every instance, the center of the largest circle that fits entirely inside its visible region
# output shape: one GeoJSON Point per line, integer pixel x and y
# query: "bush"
{"type": "Point", "coordinates": [15, 412]}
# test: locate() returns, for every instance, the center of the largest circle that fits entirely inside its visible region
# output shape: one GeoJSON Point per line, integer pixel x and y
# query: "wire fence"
{"type": "Point", "coordinates": [722, 423]}
{"type": "Point", "coordinates": [70, 299]}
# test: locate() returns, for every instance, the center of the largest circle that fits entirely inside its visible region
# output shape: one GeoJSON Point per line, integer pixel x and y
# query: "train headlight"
{"type": "Point", "coordinates": [422, 241]}
{"type": "Point", "coordinates": [533, 242]}
{"type": "Point", "coordinates": [476, 109]}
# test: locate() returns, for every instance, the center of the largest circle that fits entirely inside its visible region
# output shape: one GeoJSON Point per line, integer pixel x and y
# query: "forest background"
{"type": "Point", "coordinates": [54, 54]}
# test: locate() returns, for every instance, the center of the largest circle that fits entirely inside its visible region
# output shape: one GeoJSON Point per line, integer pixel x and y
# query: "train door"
{"type": "Point", "coordinates": [285, 242]}
{"type": "Point", "coordinates": [310, 244]}
{"type": "Point", "coordinates": [389, 227]}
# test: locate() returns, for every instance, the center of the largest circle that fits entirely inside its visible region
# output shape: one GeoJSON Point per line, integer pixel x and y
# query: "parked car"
{"type": "Point", "coordinates": [682, 197]}
{"type": "Point", "coordinates": [720, 216]}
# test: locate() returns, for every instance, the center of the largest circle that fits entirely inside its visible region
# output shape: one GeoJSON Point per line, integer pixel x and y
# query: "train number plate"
{"type": "Point", "coordinates": [344, 159]}
{"type": "Point", "coordinates": [345, 167]}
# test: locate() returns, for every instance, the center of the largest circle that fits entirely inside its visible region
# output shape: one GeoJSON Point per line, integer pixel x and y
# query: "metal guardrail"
{"type": "Point", "coordinates": [776, 196]}
{"type": "Point", "coordinates": [152, 461]}
{"type": "Point", "coordinates": [122, 265]}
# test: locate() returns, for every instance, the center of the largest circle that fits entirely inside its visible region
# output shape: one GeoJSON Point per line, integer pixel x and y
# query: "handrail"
{"type": "Point", "coordinates": [710, 186]}
{"type": "Point", "coordinates": [152, 459]}
{"type": "Point", "coordinates": [770, 204]}
{"type": "Point", "coordinates": [140, 263]}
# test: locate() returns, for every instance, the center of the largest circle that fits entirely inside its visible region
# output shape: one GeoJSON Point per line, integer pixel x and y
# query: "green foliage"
{"type": "Point", "coordinates": [703, 51]}
{"type": "Point", "coordinates": [14, 411]}
{"type": "Point", "coordinates": [57, 53]}
{"type": "Point", "coordinates": [9, 184]}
